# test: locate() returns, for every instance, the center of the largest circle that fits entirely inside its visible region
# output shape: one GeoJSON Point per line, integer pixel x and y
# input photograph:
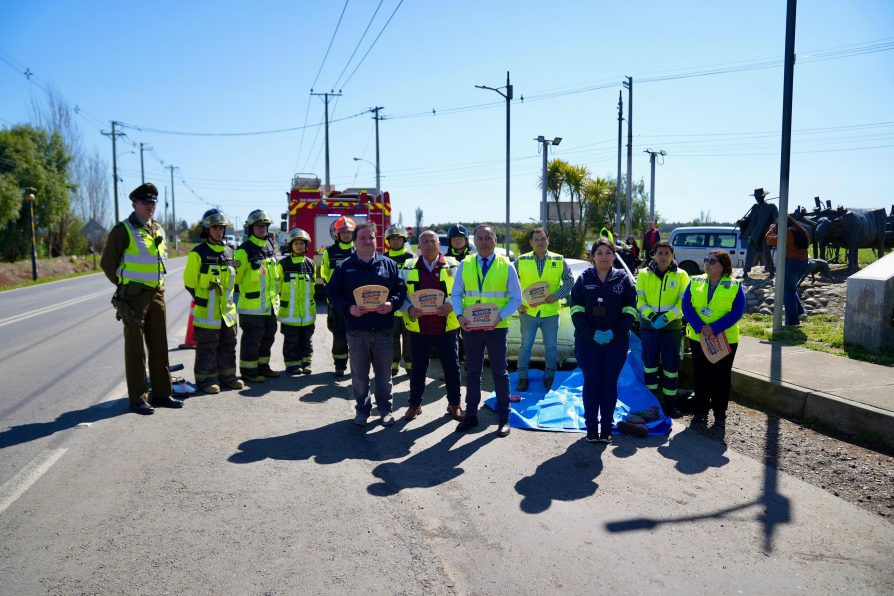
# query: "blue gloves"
{"type": "Point", "coordinates": [603, 337]}
{"type": "Point", "coordinates": [659, 322]}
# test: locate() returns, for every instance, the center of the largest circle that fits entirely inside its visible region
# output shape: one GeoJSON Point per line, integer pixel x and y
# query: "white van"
{"type": "Point", "coordinates": [693, 243]}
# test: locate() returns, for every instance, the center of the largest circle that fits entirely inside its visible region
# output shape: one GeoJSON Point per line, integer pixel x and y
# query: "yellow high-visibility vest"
{"type": "Point", "coordinates": [493, 289]}
{"type": "Point", "coordinates": [552, 273]}
{"type": "Point", "coordinates": [721, 303]}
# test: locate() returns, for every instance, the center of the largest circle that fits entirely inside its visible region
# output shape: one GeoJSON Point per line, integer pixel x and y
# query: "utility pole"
{"type": "Point", "coordinates": [326, 97]}
{"type": "Point", "coordinates": [618, 181]}
{"type": "Point", "coordinates": [142, 169]}
{"type": "Point", "coordinates": [167, 225]}
{"type": "Point", "coordinates": [652, 155]}
{"type": "Point", "coordinates": [788, 84]}
{"type": "Point", "coordinates": [114, 135]}
{"type": "Point", "coordinates": [173, 206]}
{"type": "Point", "coordinates": [508, 95]}
{"type": "Point", "coordinates": [544, 210]}
{"type": "Point", "coordinates": [376, 117]}
{"type": "Point", "coordinates": [628, 227]}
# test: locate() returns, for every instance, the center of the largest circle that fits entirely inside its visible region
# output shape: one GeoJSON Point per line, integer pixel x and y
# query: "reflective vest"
{"type": "Point", "coordinates": [446, 276]}
{"type": "Point", "coordinates": [400, 257]}
{"type": "Point", "coordinates": [256, 277]}
{"type": "Point", "coordinates": [607, 233]}
{"type": "Point", "coordinates": [663, 295]}
{"type": "Point", "coordinates": [210, 273]}
{"type": "Point", "coordinates": [552, 272]}
{"type": "Point", "coordinates": [332, 256]}
{"type": "Point", "coordinates": [144, 258]}
{"type": "Point", "coordinates": [297, 306]}
{"type": "Point", "coordinates": [721, 303]}
{"type": "Point", "coordinates": [492, 289]}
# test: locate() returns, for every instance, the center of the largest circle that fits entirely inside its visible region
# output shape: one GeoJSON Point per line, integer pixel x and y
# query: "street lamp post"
{"type": "Point", "coordinates": [378, 182]}
{"type": "Point", "coordinates": [544, 212]}
{"type": "Point", "coordinates": [652, 155]}
{"type": "Point", "coordinates": [29, 196]}
{"type": "Point", "coordinates": [508, 95]}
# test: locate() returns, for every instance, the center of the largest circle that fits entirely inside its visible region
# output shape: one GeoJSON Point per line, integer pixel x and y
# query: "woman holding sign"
{"type": "Point", "coordinates": [713, 304]}
{"type": "Point", "coordinates": [603, 308]}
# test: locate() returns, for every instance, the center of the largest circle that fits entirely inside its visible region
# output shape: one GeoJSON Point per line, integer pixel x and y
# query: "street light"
{"type": "Point", "coordinates": [378, 190]}
{"type": "Point", "coordinates": [508, 95]}
{"type": "Point", "coordinates": [28, 194]}
{"type": "Point", "coordinates": [546, 143]}
{"type": "Point", "coordinates": [652, 155]}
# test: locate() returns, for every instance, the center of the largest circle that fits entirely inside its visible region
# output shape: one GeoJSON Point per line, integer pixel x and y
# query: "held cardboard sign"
{"type": "Point", "coordinates": [427, 301]}
{"type": "Point", "coordinates": [370, 297]}
{"type": "Point", "coordinates": [536, 293]}
{"type": "Point", "coordinates": [715, 348]}
{"type": "Point", "coordinates": [481, 317]}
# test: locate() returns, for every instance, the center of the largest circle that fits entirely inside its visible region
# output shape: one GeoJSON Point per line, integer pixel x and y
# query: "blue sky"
{"type": "Point", "coordinates": [221, 67]}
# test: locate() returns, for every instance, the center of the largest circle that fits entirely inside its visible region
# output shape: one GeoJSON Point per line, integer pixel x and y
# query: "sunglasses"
{"type": "Point", "coordinates": [711, 261]}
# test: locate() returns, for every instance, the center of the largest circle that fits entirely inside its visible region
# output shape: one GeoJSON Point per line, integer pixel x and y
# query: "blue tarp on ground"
{"type": "Point", "coordinates": [562, 408]}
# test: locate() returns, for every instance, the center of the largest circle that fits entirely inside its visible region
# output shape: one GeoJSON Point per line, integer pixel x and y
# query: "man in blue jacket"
{"type": "Point", "coordinates": [368, 331]}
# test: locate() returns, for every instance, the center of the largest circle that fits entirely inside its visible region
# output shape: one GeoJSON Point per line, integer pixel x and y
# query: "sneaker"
{"type": "Point", "coordinates": [605, 437]}
{"type": "Point", "coordinates": [210, 389]}
{"type": "Point", "coordinates": [360, 418]}
{"type": "Point", "coordinates": [387, 420]}
{"type": "Point", "coordinates": [522, 385]}
{"type": "Point", "coordinates": [234, 384]}
{"type": "Point", "coordinates": [592, 436]}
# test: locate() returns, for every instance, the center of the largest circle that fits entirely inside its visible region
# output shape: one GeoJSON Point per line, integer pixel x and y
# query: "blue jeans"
{"type": "Point", "coordinates": [601, 366]}
{"type": "Point", "coordinates": [421, 347]}
{"type": "Point", "coordinates": [794, 271]}
{"type": "Point", "coordinates": [495, 343]}
{"type": "Point", "coordinates": [549, 334]}
{"type": "Point", "coordinates": [373, 347]}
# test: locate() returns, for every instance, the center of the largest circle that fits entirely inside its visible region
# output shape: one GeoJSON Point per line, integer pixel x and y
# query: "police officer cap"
{"type": "Point", "coordinates": [144, 192]}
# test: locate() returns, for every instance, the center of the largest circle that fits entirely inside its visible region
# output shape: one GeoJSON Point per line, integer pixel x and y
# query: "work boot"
{"type": "Point", "coordinates": [211, 388]}
{"type": "Point", "coordinates": [340, 371]}
{"type": "Point", "coordinates": [265, 370]}
{"type": "Point", "coordinates": [294, 369]}
{"type": "Point", "coordinates": [306, 370]}
{"type": "Point", "coordinates": [253, 376]}
{"type": "Point", "coordinates": [670, 406]}
{"type": "Point", "coordinates": [234, 384]}
{"type": "Point", "coordinates": [522, 385]}
{"type": "Point", "coordinates": [394, 369]}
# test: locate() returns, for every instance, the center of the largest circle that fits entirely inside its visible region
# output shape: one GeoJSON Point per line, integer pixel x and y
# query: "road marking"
{"type": "Point", "coordinates": [16, 486]}
{"type": "Point", "coordinates": [41, 311]}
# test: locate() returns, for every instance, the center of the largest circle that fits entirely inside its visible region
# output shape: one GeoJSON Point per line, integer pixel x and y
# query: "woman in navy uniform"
{"type": "Point", "coordinates": [603, 308]}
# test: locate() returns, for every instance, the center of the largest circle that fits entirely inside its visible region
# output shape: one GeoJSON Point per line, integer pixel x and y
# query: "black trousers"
{"type": "Point", "coordinates": [215, 355]}
{"type": "Point", "coordinates": [712, 381]}
{"type": "Point", "coordinates": [400, 334]}
{"type": "Point", "coordinates": [336, 324]}
{"type": "Point", "coordinates": [297, 345]}
{"type": "Point", "coordinates": [258, 334]}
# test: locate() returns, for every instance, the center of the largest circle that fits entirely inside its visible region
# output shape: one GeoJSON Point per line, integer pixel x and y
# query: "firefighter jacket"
{"type": "Point", "coordinates": [492, 288]}
{"type": "Point", "coordinates": [136, 253]}
{"type": "Point", "coordinates": [446, 270]}
{"type": "Point", "coordinates": [256, 276]}
{"type": "Point", "coordinates": [553, 267]}
{"type": "Point", "coordinates": [661, 294]}
{"type": "Point", "coordinates": [297, 306]}
{"type": "Point", "coordinates": [459, 255]}
{"type": "Point", "coordinates": [210, 276]}
{"type": "Point", "coordinates": [722, 310]}
{"type": "Point", "coordinates": [400, 257]}
{"type": "Point", "coordinates": [602, 305]}
{"type": "Point", "coordinates": [332, 256]}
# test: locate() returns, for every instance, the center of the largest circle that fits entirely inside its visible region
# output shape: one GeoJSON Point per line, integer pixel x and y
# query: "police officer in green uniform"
{"type": "Point", "coordinates": [209, 277]}
{"type": "Point", "coordinates": [341, 249]}
{"type": "Point", "coordinates": [256, 277]}
{"type": "Point", "coordinates": [400, 253]}
{"type": "Point", "coordinates": [297, 306]}
{"type": "Point", "coordinates": [134, 260]}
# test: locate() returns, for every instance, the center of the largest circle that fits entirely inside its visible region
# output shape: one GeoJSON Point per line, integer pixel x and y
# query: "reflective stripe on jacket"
{"type": "Point", "coordinates": [297, 306]}
{"type": "Point", "coordinates": [721, 303]}
{"type": "Point", "coordinates": [662, 294]}
{"type": "Point", "coordinates": [446, 275]}
{"type": "Point", "coordinates": [256, 276]}
{"type": "Point", "coordinates": [211, 275]}
{"type": "Point", "coordinates": [144, 258]}
{"type": "Point", "coordinates": [552, 273]}
{"type": "Point", "coordinates": [491, 289]}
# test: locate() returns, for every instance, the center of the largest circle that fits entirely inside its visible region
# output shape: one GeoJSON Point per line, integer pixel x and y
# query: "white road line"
{"type": "Point", "coordinates": [16, 486]}
{"type": "Point", "coordinates": [41, 311]}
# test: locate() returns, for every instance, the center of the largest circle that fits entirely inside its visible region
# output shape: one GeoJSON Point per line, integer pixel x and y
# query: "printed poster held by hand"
{"type": "Point", "coordinates": [716, 348]}
{"type": "Point", "coordinates": [428, 301]}
{"type": "Point", "coordinates": [481, 317]}
{"type": "Point", "coordinates": [536, 293]}
{"type": "Point", "coordinates": [369, 298]}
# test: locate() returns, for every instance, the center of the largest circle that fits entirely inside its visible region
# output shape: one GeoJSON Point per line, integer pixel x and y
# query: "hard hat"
{"type": "Point", "coordinates": [297, 234]}
{"type": "Point", "coordinates": [343, 223]}
{"type": "Point", "coordinates": [457, 230]}
{"type": "Point", "coordinates": [396, 230]}
{"type": "Point", "coordinates": [257, 216]}
{"type": "Point", "coordinates": [214, 217]}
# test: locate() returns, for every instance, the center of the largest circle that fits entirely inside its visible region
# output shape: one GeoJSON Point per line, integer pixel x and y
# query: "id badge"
{"type": "Point", "coordinates": [599, 310]}
{"type": "Point", "coordinates": [707, 311]}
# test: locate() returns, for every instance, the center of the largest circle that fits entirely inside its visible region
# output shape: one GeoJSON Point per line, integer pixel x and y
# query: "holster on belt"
{"type": "Point", "coordinates": [123, 311]}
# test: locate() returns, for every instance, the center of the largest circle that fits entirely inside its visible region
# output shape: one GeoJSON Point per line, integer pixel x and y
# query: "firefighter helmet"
{"type": "Point", "coordinates": [214, 217]}
{"type": "Point", "coordinates": [297, 234]}
{"type": "Point", "coordinates": [396, 230]}
{"type": "Point", "coordinates": [343, 223]}
{"type": "Point", "coordinates": [257, 216]}
{"type": "Point", "coordinates": [457, 230]}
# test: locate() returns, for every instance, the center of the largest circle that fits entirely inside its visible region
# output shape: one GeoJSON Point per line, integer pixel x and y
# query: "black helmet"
{"type": "Point", "coordinates": [457, 230]}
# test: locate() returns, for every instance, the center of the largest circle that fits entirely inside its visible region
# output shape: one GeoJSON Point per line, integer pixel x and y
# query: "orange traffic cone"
{"type": "Point", "coordinates": [189, 343]}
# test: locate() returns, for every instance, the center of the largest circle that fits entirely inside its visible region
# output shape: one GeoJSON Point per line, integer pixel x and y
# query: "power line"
{"type": "Point", "coordinates": [357, 47]}
{"type": "Point", "coordinates": [332, 39]}
{"type": "Point", "coordinates": [373, 44]}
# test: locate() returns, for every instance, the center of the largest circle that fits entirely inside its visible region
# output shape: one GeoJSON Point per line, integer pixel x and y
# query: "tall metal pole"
{"type": "Point", "coordinates": [115, 171]}
{"type": "Point", "coordinates": [629, 218]}
{"type": "Point", "coordinates": [543, 209]}
{"type": "Point", "coordinates": [378, 167]}
{"type": "Point", "coordinates": [142, 168]}
{"type": "Point", "coordinates": [326, 97]}
{"type": "Point", "coordinates": [618, 181]}
{"type": "Point", "coordinates": [652, 155]}
{"type": "Point", "coordinates": [785, 162]}
{"type": "Point", "coordinates": [173, 207]}
{"type": "Point", "coordinates": [508, 103]}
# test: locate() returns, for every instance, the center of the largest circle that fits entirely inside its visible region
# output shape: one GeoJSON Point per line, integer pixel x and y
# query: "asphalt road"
{"type": "Point", "coordinates": [273, 490]}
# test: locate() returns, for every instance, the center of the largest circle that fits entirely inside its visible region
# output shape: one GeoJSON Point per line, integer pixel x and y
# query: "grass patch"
{"type": "Point", "coordinates": [46, 280]}
{"type": "Point", "coordinates": [823, 333]}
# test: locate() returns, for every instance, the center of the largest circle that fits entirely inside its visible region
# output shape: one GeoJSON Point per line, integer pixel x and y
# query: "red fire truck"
{"type": "Point", "coordinates": [315, 211]}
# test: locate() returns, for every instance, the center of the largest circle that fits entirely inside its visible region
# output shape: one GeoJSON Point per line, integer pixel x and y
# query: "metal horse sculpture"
{"type": "Point", "coordinates": [854, 229]}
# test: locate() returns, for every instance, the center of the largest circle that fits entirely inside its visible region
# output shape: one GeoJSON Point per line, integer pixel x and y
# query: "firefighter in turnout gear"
{"type": "Point", "coordinates": [343, 230]}
{"type": "Point", "coordinates": [134, 260]}
{"type": "Point", "coordinates": [256, 277]}
{"type": "Point", "coordinates": [659, 300]}
{"type": "Point", "coordinates": [297, 307]}
{"type": "Point", "coordinates": [396, 236]}
{"type": "Point", "coordinates": [458, 237]}
{"type": "Point", "coordinates": [209, 277]}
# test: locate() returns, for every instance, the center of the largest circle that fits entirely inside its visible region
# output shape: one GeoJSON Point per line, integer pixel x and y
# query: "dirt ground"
{"type": "Point", "coordinates": [17, 272]}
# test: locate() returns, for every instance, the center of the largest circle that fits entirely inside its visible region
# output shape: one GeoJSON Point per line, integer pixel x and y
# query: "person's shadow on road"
{"type": "Point", "coordinates": [693, 452]}
{"type": "Point", "coordinates": [567, 477]}
{"type": "Point", "coordinates": [23, 433]}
